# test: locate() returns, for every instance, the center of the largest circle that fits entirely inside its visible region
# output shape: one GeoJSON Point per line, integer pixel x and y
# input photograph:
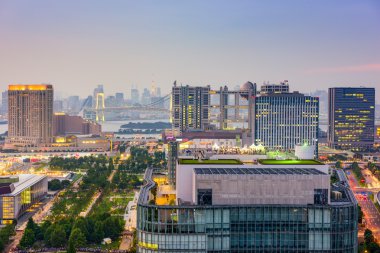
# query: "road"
{"type": "Point", "coordinates": [371, 215]}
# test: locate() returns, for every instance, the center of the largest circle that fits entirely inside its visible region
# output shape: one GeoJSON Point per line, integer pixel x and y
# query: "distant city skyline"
{"type": "Point", "coordinates": [76, 45]}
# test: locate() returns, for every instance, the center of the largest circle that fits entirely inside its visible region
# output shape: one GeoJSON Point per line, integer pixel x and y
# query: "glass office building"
{"type": "Point", "coordinates": [351, 118]}
{"type": "Point", "coordinates": [285, 120]}
{"type": "Point", "coordinates": [206, 227]}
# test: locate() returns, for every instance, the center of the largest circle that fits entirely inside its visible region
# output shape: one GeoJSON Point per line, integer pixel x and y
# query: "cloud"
{"type": "Point", "coordinates": [375, 67]}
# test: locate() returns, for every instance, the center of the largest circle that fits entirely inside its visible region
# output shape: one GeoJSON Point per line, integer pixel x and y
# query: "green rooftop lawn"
{"type": "Point", "coordinates": [289, 162]}
{"type": "Point", "coordinates": [221, 161]}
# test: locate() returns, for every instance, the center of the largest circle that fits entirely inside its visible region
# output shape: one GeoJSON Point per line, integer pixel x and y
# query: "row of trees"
{"type": "Point", "coordinates": [74, 163]}
{"type": "Point", "coordinates": [98, 170]}
{"type": "Point", "coordinates": [72, 233]}
{"type": "Point", "coordinates": [56, 184]}
{"type": "Point", "coordinates": [125, 181]}
{"type": "Point", "coordinates": [140, 159]}
{"type": "Point", "coordinates": [357, 172]}
{"type": "Point", "coordinates": [65, 228]}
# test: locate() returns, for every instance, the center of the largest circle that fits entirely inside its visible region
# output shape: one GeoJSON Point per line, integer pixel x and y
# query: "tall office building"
{"type": "Point", "coordinates": [285, 120]}
{"type": "Point", "coordinates": [351, 118]}
{"type": "Point", "coordinates": [119, 99]}
{"type": "Point", "coordinates": [135, 96]}
{"type": "Point", "coordinates": [30, 114]}
{"type": "Point", "coordinates": [145, 97]}
{"type": "Point", "coordinates": [190, 107]}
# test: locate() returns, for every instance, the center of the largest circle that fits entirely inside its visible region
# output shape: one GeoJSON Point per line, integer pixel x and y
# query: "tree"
{"type": "Point", "coordinates": [5, 233]}
{"type": "Point", "coordinates": [360, 214]}
{"type": "Point", "coordinates": [58, 237]}
{"type": "Point", "coordinates": [77, 238]}
{"type": "Point", "coordinates": [368, 236]}
{"type": "Point", "coordinates": [98, 234]}
{"type": "Point", "coordinates": [338, 164]}
{"type": "Point", "coordinates": [81, 224]}
{"type": "Point", "coordinates": [28, 239]}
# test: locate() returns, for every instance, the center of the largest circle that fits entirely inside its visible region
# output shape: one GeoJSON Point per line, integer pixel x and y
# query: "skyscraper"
{"type": "Point", "coordinates": [145, 97]}
{"type": "Point", "coordinates": [119, 98]}
{"type": "Point", "coordinates": [135, 96]}
{"type": "Point", "coordinates": [284, 120]}
{"type": "Point", "coordinates": [351, 118]}
{"type": "Point", "coordinates": [4, 102]}
{"type": "Point", "coordinates": [190, 107]}
{"type": "Point", "coordinates": [30, 114]}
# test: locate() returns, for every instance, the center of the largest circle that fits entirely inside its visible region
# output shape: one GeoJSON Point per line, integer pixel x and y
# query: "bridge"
{"type": "Point", "coordinates": [97, 110]}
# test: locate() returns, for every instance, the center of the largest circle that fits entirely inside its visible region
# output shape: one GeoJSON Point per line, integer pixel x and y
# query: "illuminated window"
{"type": "Point", "coordinates": [8, 208]}
{"type": "Point", "coordinates": [26, 196]}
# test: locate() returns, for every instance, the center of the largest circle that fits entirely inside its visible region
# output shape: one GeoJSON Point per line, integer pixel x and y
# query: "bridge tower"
{"type": "Point", "coordinates": [99, 106]}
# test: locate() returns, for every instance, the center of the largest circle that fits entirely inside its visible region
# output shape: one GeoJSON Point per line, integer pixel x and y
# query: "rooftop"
{"type": "Point", "coordinates": [220, 161]}
{"type": "Point", "coordinates": [25, 181]}
{"type": "Point", "coordinates": [258, 171]}
{"type": "Point", "coordinates": [289, 162]}
{"type": "Point", "coordinates": [22, 87]}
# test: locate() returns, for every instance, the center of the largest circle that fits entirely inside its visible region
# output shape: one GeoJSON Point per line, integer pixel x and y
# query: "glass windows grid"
{"type": "Point", "coordinates": [251, 229]}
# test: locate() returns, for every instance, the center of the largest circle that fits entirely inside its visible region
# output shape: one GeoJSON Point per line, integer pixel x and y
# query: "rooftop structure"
{"type": "Point", "coordinates": [268, 88]}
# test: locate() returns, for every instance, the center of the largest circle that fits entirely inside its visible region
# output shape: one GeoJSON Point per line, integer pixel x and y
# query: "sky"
{"type": "Point", "coordinates": [77, 44]}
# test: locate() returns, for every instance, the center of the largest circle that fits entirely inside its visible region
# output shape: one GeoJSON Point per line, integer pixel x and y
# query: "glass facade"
{"type": "Point", "coordinates": [13, 206]}
{"type": "Point", "coordinates": [351, 118]}
{"type": "Point", "coordinates": [284, 120]}
{"type": "Point", "coordinates": [250, 228]}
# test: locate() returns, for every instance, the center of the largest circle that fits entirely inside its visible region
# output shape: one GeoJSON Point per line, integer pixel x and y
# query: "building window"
{"type": "Point", "coordinates": [204, 197]}
{"type": "Point", "coordinates": [320, 196]}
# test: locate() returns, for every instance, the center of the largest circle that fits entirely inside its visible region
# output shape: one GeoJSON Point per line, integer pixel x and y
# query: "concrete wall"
{"type": "Point", "coordinates": [261, 189]}
{"type": "Point", "coordinates": [184, 176]}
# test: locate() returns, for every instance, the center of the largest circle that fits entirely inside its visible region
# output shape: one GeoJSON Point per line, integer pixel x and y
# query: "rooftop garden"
{"type": "Point", "coordinates": [289, 162]}
{"type": "Point", "coordinates": [220, 161]}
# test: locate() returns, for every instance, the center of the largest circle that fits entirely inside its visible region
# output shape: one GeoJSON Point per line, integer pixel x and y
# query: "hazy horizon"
{"type": "Point", "coordinates": [76, 45]}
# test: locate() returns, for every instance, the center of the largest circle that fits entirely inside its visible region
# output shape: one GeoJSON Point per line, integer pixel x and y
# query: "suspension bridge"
{"type": "Point", "coordinates": [98, 110]}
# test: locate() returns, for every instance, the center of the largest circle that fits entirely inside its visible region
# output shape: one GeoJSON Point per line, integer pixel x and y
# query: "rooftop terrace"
{"type": "Point", "coordinates": [289, 162]}
{"type": "Point", "coordinates": [220, 161]}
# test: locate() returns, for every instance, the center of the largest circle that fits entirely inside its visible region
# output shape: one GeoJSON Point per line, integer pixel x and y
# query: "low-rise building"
{"type": "Point", "coordinates": [64, 124]}
{"type": "Point", "coordinates": [19, 193]}
{"type": "Point", "coordinates": [227, 205]}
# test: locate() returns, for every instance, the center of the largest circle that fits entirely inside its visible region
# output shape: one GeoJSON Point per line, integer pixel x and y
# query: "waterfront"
{"type": "Point", "coordinates": [113, 126]}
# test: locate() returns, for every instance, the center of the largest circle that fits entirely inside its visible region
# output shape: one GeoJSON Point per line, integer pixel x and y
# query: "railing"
{"type": "Point", "coordinates": [97, 250]}
{"type": "Point", "coordinates": [149, 184]}
{"type": "Point", "coordinates": [343, 178]}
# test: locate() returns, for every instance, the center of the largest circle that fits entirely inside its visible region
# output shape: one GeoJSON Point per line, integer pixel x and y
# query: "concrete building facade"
{"type": "Point", "coordinates": [30, 114]}
{"type": "Point", "coordinates": [190, 107]}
